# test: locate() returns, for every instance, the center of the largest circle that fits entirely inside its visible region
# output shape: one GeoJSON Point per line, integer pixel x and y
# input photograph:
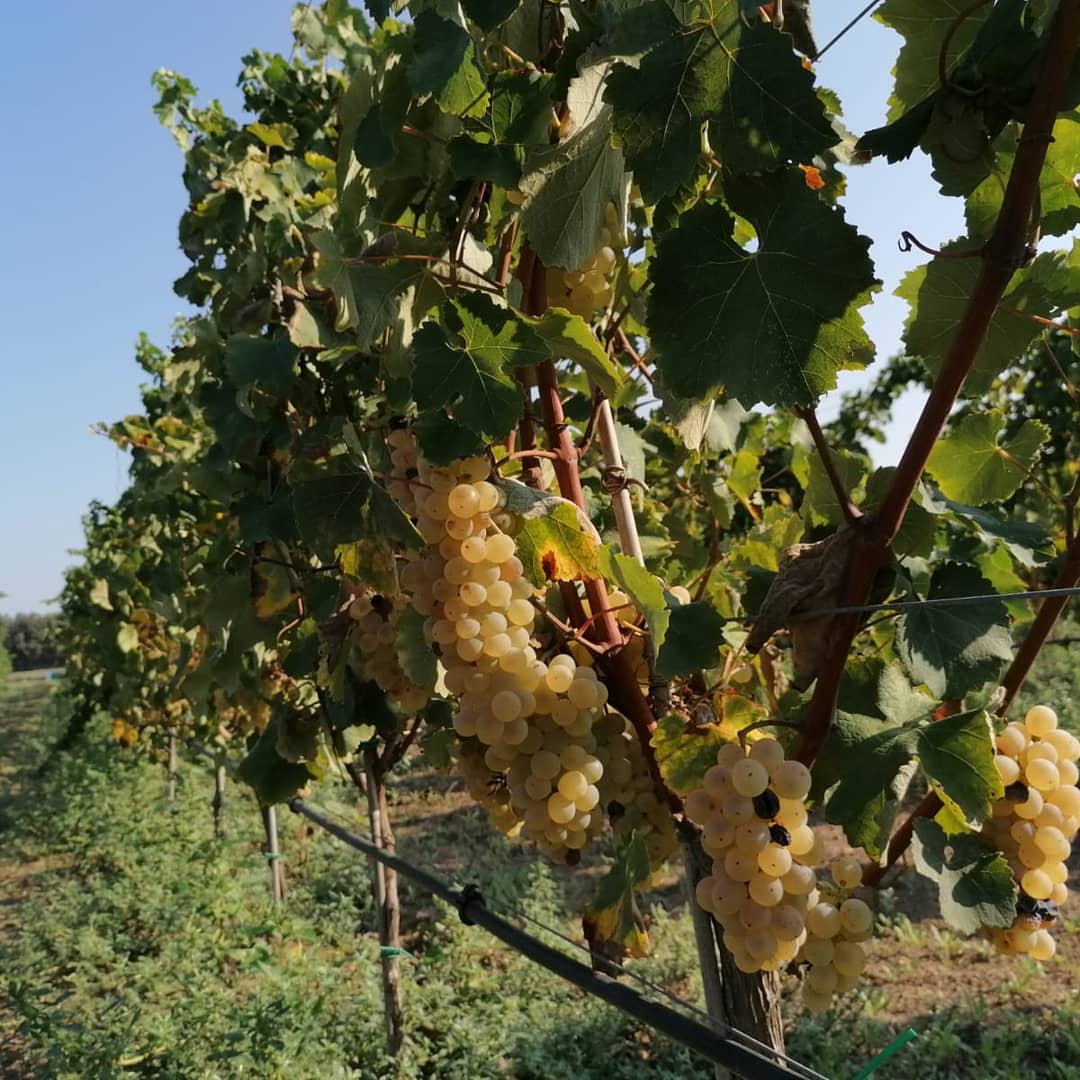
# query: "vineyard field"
{"type": "Point", "coordinates": [133, 947]}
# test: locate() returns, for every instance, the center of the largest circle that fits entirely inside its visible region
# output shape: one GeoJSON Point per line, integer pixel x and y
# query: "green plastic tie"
{"type": "Point", "coordinates": [394, 950]}
{"type": "Point", "coordinates": [272, 858]}
{"type": "Point", "coordinates": [897, 1044]}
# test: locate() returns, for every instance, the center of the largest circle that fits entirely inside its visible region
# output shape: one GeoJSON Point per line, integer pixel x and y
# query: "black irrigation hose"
{"type": "Point", "coordinates": [746, 1058]}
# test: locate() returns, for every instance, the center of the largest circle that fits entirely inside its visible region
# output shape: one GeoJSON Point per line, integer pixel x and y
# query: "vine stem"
{"type": "Point", "coordinates": [1037, 636]}
{"type": "Point", "coordinates": [809, 417]}
{"type": "Point", "coordinates": [1005, 252]}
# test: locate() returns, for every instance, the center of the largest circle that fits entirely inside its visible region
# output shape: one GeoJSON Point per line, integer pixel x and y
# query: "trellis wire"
{"type": "Point", "coordinates": [937, 601]}
{"type": "Point", "coordinates": [850, 25]}
{"type": "Point", "coordinates": [734, 1050]}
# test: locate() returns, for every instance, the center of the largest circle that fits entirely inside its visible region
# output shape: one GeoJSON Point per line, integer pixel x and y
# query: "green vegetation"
{"type": "Point", "coordinates": [137, 945]}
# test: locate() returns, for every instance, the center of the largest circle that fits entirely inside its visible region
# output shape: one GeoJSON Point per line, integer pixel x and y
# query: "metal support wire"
{"type": "Point", "coordinates": [937, 601]}
{"type": "Point", "coordinates": [744, 1056]}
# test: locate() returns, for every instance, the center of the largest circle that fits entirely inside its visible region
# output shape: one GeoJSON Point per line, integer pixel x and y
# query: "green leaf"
{"type": "Point", "coordinates": [975, 885]}
{"type": "Point", "coordinates": [864, 800]}
{"type": "Point", "coordinates": [957, 755]}
{"type": "Point", "coordinates": [820, 505]}
{"type": "Point", "coordinates": [375, 142]}
{"type": "Point", "coordinates": [613, 914]}
{"type": "Point", "coordinates": [567, 187]}
{"type": "Point", "coordinates": [332, 272]}
{"type": "Point", "coordinates": [729, 68]}
{"type": "Point", "coordinates": [1028, 542]}
{"type": "Point", "coordinates": [939, 292]}
{"type": "Point", "coordinates": [280, 135]}
{"type": "Point", "coordinates": [956, 648]}
{"type": "Point", "coordinates": [500, 165]}
{"type": "Point", "coordinates": [272, 778]}
{"type": "Point", "coordinates": [270, 362]}
{"type": "Point", "coordinates": [442, 440]}
{"type": "Point", "coordinates": [570, 336]}
{"type": "Point", "coordinates": [127, 637]}
{"type": "Point", "coordinates": [556, 541]}
{"type": "Point", "coordinates": [413, 652]}
{"type": "Point", "coordinates": [339, 504]}
{"type": "Point", "coordinates": [469, 369]}
{"type": "Point", "coordinates": [384, 296]}
{"type": "Point", "coordinates": [643, 588]}
{"type": "Point", "coordinates": [439, 49]}
{"type": "Point", "coordinates": [1059, 196]}
{"type": "Point", "coordinates": [972, 464]}
{"type": "Point", "coordinates": [919, 527]}
{"type": "Point", "coordinates": [694, 635]}
{"type": "Point", "coordinates": [487, 14]}
{"type": "Point", "coordinates": [722, 315]}
{"type": "Point", "coordinates": [923, 25]}
{"type": "Point", "coordinates": [99, 594]}
{"type": "Point", "coordinates": [685, 752]}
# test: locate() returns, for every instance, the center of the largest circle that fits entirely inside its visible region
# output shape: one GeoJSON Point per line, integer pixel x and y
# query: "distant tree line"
{"type": "Point", "coordinates": [30, 640]}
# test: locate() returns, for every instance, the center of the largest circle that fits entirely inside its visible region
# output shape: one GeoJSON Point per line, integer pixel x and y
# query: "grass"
{"type": "Point", "coordinates": [134, 944]}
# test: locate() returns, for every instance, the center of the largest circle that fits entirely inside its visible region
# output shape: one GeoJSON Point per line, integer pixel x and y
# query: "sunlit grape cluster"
{"type": "Point", "coordinates": [589, 287]}
{"type": "Point", "coordinates": [533, 718]}
{"type": "Point", "coordinates": [763, 889]}
{"type": "Point", "coordinates": [754, 827]}
{"type": "Point", "coordinates": [373, 636]}
{"type": "Point", "coordinates": [1035, 823]}
{"type": "Point", "coordinates": [837, 924]}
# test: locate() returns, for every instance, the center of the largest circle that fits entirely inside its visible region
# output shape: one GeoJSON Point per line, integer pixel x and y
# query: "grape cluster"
{"type": "Point", "coordinates": [588, 287]}
{"type": "Point", "coordinates": [1035, 823]}
{"type": "Point", "coordinates": [373, 636]}
{"type": "Point", "coordinates": [533, 718]}
{"type": "Point", "coordinates": [763, 889]}
{"type": "Point", "coordinates": [754, 827]}
{"type": "Point", "coordinates": [837, 925]}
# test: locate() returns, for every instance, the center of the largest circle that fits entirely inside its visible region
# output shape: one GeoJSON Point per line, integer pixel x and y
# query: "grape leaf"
{"type": "Point", "coordinates": [271, 777]}
{"type": "Point", "coordinates": [972, 464]}
{"type": "Point", "coordinates": [413, 652]}
{"type": "Point", "coordinates": [694, 635]}
{"type": "Point", "coordinates": [939, 292]}
{"type": "Point", "coordinates": [127, 637]}
{"type": "Point", "coordinates": [613, 915]}
{"type": "Point", "coordinates": [642, 587]}
{"type": "Point", "coordinates": [956, 648]}
{"type": "Point", "coordinates": [730, 67]}
{"type": "Point", "coordinates": [466, 363]}
{"type": "Point", "coordinates": [442, 440]}
{"type": "Point", "coordinates": [820, 505]}
{"type": "Point", "coordinates": [923, 25]}
{"type": "Point", "coordinates": [568, 185]}
{"type": "Point", "coordinates": [864, 801]}
{"type": "Point", "coordinates": [1059, 196]}
{"type": "Point", "coordinates": [1028, 542]}
{"type": "Point", "coordinates": [487, 14]}
{"type": "Point", "coordinates": [957, 755]}
{"type": "Point", "coordinates": [556, 541]}
{"type": "Point", "coordinates": [270, 362]}
{"type": "Point", "coordinates": [99, 594]}
{"type": "Point", "coordinates": [332, 272]}
{"type": "Point", "coordinates": [440, 47]}
{"type": "Point", "coordinates": [919, 527]}
{"type": "Point", "coordinates": [975, 884]}
{"type": "Point", "coordinates": [570, 336]}
{"type": "Point", "coordinates": [684, 752]}
{"type": "Point", "coordinates": [723, 315]}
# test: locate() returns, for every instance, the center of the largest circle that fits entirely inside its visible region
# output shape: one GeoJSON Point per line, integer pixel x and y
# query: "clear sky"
{"type": "Point", "coordinates": [92, 195]}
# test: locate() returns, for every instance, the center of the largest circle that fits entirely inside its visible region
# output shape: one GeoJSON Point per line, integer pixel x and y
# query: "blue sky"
{"type": "Point", "coordinates": [93, 195]}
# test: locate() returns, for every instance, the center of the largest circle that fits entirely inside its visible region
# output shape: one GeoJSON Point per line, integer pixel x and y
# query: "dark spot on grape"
{"type": "Point", "coordinates": [615, 810]}
{"type": "Point", "coordinates": [779, 835]}
{"type": "Point", "coordinates": [1017, 792]}
{"type": "Point", "coordinates": [1041, 912]}
{"type": "Point", "coordinates": [573, 857]}
{"type": "Point", "coordinates": [411, 474]}
{"type": "Point", "coordinates": [767, 805]}
{"type": "Point", "coordinates": [381, 606]}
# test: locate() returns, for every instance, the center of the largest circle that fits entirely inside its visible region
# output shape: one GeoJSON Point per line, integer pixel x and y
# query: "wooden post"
{"type": "Point", "coordinates": [171, 767]}
{"type": "Point", "coordinates": [387, 905]}
{"type": "Point", "coordinates": [218, 801]}
{"type": "Point", "coordinates": [273, 855]}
